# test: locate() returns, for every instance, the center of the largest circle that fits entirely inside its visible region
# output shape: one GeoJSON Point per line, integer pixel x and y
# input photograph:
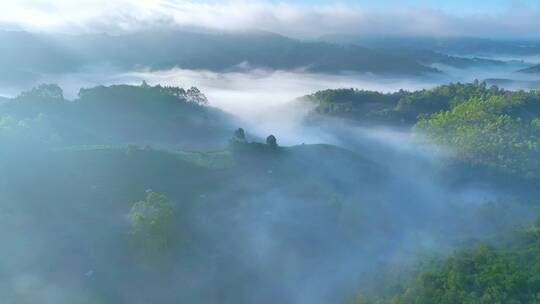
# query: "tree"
{"type": "Point", "coordinates": [238, 140]}
{"type": "Point", "coordinates": [194, 95]}
{"type": "Point", "coordinates": [481, 131]}
{"type": "Point", "coordinates": [44, 92]}
{"type": "Point", "coordinates": [153, 222]}
{"type": "Point", "coordinates": [272, 141]}
{"type": "Point", "coordinates": [145, 84]}
{"type": "Point", "coordinates": [240, 135]}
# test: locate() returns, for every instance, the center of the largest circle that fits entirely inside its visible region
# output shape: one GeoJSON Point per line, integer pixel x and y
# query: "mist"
{"type": "Point", "coordinates": [384, 197]}
{"type": "Point", "coordinates": [272, 242]}
{"type": "Point", "coordinates": [253, 95]}
{"type": "Point", "coordinates": [177, 153]}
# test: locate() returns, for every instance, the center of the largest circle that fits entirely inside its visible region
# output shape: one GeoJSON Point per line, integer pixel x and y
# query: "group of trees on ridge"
{"type": "Point", "coordinates": [401, 108]}
{"type": "Point", "coordinates": [239, 141]}
{"type": "Point", "coordinates": [112, 114]}
{"type": "Point", "coordinates": [480, 125]}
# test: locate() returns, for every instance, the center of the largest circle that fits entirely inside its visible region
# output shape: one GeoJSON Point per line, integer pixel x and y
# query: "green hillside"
{"type": "Point", "coordinates": [167, 116]}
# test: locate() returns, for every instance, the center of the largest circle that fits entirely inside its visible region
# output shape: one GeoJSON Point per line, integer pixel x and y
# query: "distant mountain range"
{"type": "Point", "coordinates": [459, 46]}
{"type": "Point", "coordinates": [533, 70]}
{"type": "Point", "coordinates": [513, 84]}
{"type": "Point", "coordinates": [428, 57]}
{"type": "Point", "coordinates": [24, 55]}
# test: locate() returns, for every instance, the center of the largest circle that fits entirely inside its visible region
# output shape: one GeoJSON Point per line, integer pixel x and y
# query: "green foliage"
{"type": "Point", "coordinates": [144, 94]}
{"type": "Point", "coordinates": [505, 273]}
{"type": "Point", "coordinates": [153, 223]}
{"type": "Point", "coordinates": [482, 132]}
{"type": "Point", "coordinates": [399, 108]}
{"type": "Point", "coordinates": [357, 105]}
{"type": "Point", "coordinates": [123, 114]}
{"type": "Point", "coordinates": [442, 98]}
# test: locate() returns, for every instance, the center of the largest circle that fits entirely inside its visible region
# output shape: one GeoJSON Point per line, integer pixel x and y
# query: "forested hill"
{"type": "Point", "coordinates": [307, 205]}
{"type": "Point", "coordinates": [25, 54]}
{"type": "Point", "coordinates": [403, 108]}
{"type": "Point", "coordinates": [483, 129]}
{"type": "Point", "coordinates": [480, 125]}
{"type": "Point", "coordinates": [123, 114]}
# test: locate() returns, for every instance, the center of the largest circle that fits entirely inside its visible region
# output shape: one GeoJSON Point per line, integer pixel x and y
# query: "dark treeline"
{"type": "Point", "coordinates": [117, 114]}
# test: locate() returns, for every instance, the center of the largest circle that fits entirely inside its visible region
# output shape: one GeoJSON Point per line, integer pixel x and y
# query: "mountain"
{"type": "Point", "coordinates": [428, 57]}
{"type": "Point", "coordinates": [512, 84]}
{"type": "Point", "coordinates": [459, 46]}
{"type": "Point", "coordinates": [26, 55]}
{"type": "Point", "coordinates": [532, 70]}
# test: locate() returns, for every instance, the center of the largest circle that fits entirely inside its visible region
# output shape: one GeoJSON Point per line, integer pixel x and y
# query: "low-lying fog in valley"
{"type": "Point", "coordinates": [173, 159]}
{"type": "Point", "coordinates": [252, 94]}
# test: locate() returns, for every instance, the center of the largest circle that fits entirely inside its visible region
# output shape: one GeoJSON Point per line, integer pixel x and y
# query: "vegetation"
{"type": "Point", "coordinates": [253, 217]}
{"type": "Point", "coordinates": [118, 114]}
{"type": "Point", "coordinates": [401, 108]}
{"type": "Point", "coordinates": [485, 273]}
{"type": "Point", "coordinates": [485, 129]}
{"type": "Point", "coordinates": [482, 126]}
{"type": "Point", "coordinates": [153, 224]}
{"type": "Point", "coordinates": [482, 131]}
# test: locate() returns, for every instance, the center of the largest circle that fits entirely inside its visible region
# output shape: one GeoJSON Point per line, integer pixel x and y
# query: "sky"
{"type": "Point", "coordinates": [457, 7]}
{"type": "Point", "coordinates": [296, 18]}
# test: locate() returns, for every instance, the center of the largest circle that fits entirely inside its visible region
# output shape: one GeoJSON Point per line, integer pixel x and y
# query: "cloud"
{"type": "Point", "coordinates": [292, 19]}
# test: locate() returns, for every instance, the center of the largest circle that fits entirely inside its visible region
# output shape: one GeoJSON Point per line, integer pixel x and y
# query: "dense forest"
{"type": "Point", "coordinates": [481, 125]}
{"type": "Point", "coordinates": [503, 270]}
{"type": "Point", "coordinates": [151, 195]}
{"type": "Point", "coordinates": [478, 127]}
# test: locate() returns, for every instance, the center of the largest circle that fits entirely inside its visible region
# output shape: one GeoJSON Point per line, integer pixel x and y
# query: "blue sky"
{"type": "Point", "coordinates": [458, 7]}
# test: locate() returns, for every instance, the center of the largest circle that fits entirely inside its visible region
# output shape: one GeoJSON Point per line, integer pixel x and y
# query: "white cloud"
{"type": "Point", "coordinates": [282, 17]}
